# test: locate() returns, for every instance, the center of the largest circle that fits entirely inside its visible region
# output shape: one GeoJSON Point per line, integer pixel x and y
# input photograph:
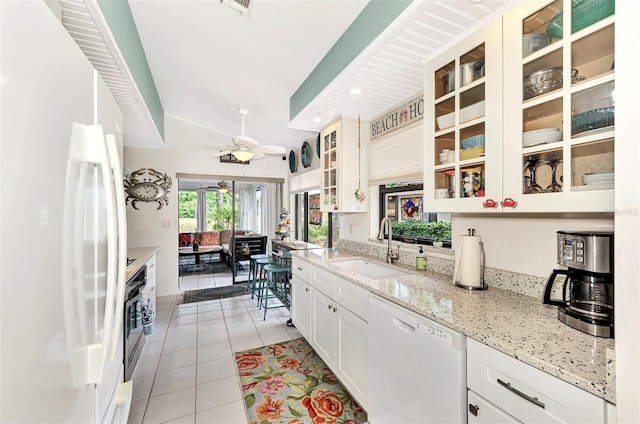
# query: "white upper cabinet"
{"type": "Point", "coordinates": [463, 123]}
{"type": "Point", "coordinates": [339, 156]}
{"type": "Point", "coordinates": [548, 118]}
{"type": "Point", "coordinates": [559, 105]}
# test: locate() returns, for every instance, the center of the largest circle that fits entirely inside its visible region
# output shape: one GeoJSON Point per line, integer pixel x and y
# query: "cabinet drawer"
{"type": "Point", "coordinates": [300, 268]}
{"type": "Point", "coordinates": [322, 281]}
{"type": "Point", "coordinates": [351, 296]}
{"type": "Point", "coordinates": [526, 393]}
{"type": "Point", "coordinates": [480, 411]}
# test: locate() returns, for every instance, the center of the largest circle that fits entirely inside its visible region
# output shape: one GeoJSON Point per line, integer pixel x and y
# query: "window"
{"type": "Point", "coordinates": [218, 211]}
{"type": "Point", "coordinates": [187, 200]}
{"type": "Point", "coordinates": [404, 204]}
{"type": "Point", "coordinates": [312, 225]}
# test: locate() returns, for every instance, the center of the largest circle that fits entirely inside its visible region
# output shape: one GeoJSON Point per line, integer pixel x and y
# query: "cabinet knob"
{"type": "Point", "coordinates": [508, 202]}
{"type": "Point", "coordinates": [329, 306]}
{"type": "Point", "coordinates": [490, 203]}
{"type": "Point", "coordinates": [473, 409]}
{"type": "Point", "coordinates": [335, 309]}
{"type": "Point", "coordinates": [306, 289]}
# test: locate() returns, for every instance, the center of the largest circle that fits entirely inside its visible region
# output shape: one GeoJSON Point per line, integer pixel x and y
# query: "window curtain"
{"type": "Point", "coordinates": [270, 203]}
{"type": "Point", "coordinates": [201, 210]}
{"type": "Point", "coordinates": [246, 208]}
{"type": "Point", "coordinates": [397, 157]}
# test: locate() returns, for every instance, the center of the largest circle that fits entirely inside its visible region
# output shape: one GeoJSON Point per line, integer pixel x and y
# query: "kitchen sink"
{"type": "Point", "coordinates": [368, 269]}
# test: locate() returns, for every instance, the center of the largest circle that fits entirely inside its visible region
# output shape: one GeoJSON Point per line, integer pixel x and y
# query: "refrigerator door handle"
{"type": "Point", "coordinates": [97, 153]}
{"type": "Point", "coordinates": [112, 149]}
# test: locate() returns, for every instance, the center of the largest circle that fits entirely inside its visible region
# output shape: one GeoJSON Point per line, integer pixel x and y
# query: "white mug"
{"type": "Point", "coordinates": [442, 193]}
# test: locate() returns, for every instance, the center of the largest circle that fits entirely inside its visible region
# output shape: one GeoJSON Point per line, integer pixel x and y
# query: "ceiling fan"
{"type": "Point", "coordinates": [222, 187]}
{"type": "Point", "coordinates": [245, 148]}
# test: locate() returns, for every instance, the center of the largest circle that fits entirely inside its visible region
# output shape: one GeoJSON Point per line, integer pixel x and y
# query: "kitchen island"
{"type": "Point", "coordinates": [514, 324]}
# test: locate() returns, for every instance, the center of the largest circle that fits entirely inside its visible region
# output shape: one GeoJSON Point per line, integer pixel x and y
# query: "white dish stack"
{"type": "Point", "coordinates": [598, 180]}
{"type": "Point", "coordinates": [446, 156]}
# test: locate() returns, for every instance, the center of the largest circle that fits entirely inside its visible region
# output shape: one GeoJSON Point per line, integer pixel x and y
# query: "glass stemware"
{"type": "Point", "coordinates": [533, 186]}
{"type": "Point", "coordinates": [554, 187]}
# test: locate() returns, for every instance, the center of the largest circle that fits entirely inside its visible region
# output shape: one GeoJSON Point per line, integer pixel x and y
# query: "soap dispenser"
{"type": "Point", "coordinates": [421, 260]}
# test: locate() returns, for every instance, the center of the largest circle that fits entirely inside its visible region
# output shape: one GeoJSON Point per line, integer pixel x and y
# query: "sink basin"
{"type": "Point", "coordinates": [368, 269]}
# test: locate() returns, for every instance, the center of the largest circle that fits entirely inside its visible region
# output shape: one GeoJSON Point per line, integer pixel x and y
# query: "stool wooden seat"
{"type": "Point", "coordinates": [276, 287]}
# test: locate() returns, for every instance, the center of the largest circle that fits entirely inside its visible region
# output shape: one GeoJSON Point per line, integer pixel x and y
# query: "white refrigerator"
{"type": "Point", "coordinates": [62, 223]}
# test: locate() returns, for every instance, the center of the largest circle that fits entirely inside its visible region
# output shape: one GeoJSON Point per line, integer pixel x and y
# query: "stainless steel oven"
{"type": "Point", "coordinates": [133, 335]}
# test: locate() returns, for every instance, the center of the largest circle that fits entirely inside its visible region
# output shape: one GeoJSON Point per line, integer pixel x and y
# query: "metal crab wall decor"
{"type": "Point", "coordinates": [153, 188]}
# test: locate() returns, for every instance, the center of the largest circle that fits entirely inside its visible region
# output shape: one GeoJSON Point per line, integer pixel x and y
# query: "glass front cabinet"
{"type": "Point", "coordinates": [340, 171]}
{"type": "Point", "coordinates": [463, 123]}
{"type": "Point", "coordinates": [556, 117]}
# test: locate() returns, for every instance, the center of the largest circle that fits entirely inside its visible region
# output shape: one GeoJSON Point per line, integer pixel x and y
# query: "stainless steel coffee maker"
{"type": "Point", "coordinates": [587, 291]}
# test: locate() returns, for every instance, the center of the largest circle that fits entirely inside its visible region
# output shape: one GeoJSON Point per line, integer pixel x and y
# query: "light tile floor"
{"type": "Point", "coordinates": [186, 372]}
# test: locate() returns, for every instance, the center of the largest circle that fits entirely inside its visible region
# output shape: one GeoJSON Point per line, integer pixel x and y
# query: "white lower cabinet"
{"type": "Point", "coordinates": [330, 313]}
{"type": "Point", "coordinates": [525, 393]}
{"type": "Point", "coordinates": [301, 306]}
{"type": "Point", "coordinates": [483, 412]}
{"type": "Point", "coordinates": [351, 353]}
{"type": "Point", "coordinates": [323, 322]}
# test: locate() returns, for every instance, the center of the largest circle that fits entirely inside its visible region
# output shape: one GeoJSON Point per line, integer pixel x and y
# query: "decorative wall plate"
{"type": "Point", "coordinates": [293, 162]}
{"type": "Point", "coordinates": [318, 146]}
{"type": "Point", "coordinates": [305, 154]}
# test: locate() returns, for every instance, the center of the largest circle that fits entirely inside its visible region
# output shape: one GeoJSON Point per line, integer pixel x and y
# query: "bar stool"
{"type": "Point", "coordinates": [253, 273]}
{"type": "Point", "coordinates": [260, 278]}
{"type": "Point", "coordinates": [276, 282]}
{"type": "Point", "coordinates": [285, 258]}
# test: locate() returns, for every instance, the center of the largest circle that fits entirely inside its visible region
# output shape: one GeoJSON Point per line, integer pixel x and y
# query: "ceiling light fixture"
{"type": "Point", "coordinates": [242, 154]}
{"type": "Point", "coordinates": [317, 119]}
{"type": "Point", "coordinates": [223, 186]}
{"type": "Point", "coordinates": [355, 90]}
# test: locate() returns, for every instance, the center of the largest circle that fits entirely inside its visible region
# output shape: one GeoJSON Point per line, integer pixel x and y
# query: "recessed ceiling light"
{"type": "Point", "coordinates": [316, 119]}
{"type": "Point", "coordinates": [355, 90]}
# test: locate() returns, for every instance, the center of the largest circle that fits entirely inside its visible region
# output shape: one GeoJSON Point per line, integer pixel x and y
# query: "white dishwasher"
{"type": "Point", "coordinates": [417, 368]}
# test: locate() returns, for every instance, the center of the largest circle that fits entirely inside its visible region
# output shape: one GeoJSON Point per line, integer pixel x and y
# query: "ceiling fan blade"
{"type": "Point", "coordinates": [244, 140]}
{"type": "Point", "coordinates": [272, 150]}
{"type": "Point", "coordinates": [221, 153]}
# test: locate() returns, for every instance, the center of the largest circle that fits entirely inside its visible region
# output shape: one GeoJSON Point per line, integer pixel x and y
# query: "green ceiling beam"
{"type": "Point", "coordinates": [118, 16]}
{"type": "Point", "coordinates": [373, 19]}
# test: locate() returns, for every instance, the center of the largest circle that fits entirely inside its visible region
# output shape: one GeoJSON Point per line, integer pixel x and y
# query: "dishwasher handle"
{"type": "Point", "coordinates": [408, 328]}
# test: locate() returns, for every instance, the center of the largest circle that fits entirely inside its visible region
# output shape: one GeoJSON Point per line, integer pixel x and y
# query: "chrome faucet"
{"type": "Point", "coordinates": [391, 255]}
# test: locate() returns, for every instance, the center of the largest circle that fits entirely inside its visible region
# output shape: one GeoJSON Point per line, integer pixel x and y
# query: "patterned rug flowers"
{"type": "Point", "coordinates": [289, 383]}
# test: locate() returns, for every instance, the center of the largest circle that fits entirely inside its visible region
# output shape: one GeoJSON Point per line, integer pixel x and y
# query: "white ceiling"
{"type": "Point", "coordinates": [208, 61]}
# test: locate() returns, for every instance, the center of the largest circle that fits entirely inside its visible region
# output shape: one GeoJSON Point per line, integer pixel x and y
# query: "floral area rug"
{"type": "Point", "coordinates": [289, 383]}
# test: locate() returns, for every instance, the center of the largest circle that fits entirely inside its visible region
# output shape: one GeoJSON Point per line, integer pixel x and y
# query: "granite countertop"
{"type": "Point", "coordinates": [296, 244]}
{"type": "Point", "coordinates": [517, 325]}
{"type": "Point", "coordinates": [141, 255]}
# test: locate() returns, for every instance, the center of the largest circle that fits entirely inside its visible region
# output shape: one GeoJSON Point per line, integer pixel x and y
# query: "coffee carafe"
{"type": "Point", "coordinates": [587, 290]}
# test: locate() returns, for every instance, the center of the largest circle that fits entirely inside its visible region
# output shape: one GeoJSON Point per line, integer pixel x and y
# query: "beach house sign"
{"type": "Point", "coordinates": [397, 118]}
